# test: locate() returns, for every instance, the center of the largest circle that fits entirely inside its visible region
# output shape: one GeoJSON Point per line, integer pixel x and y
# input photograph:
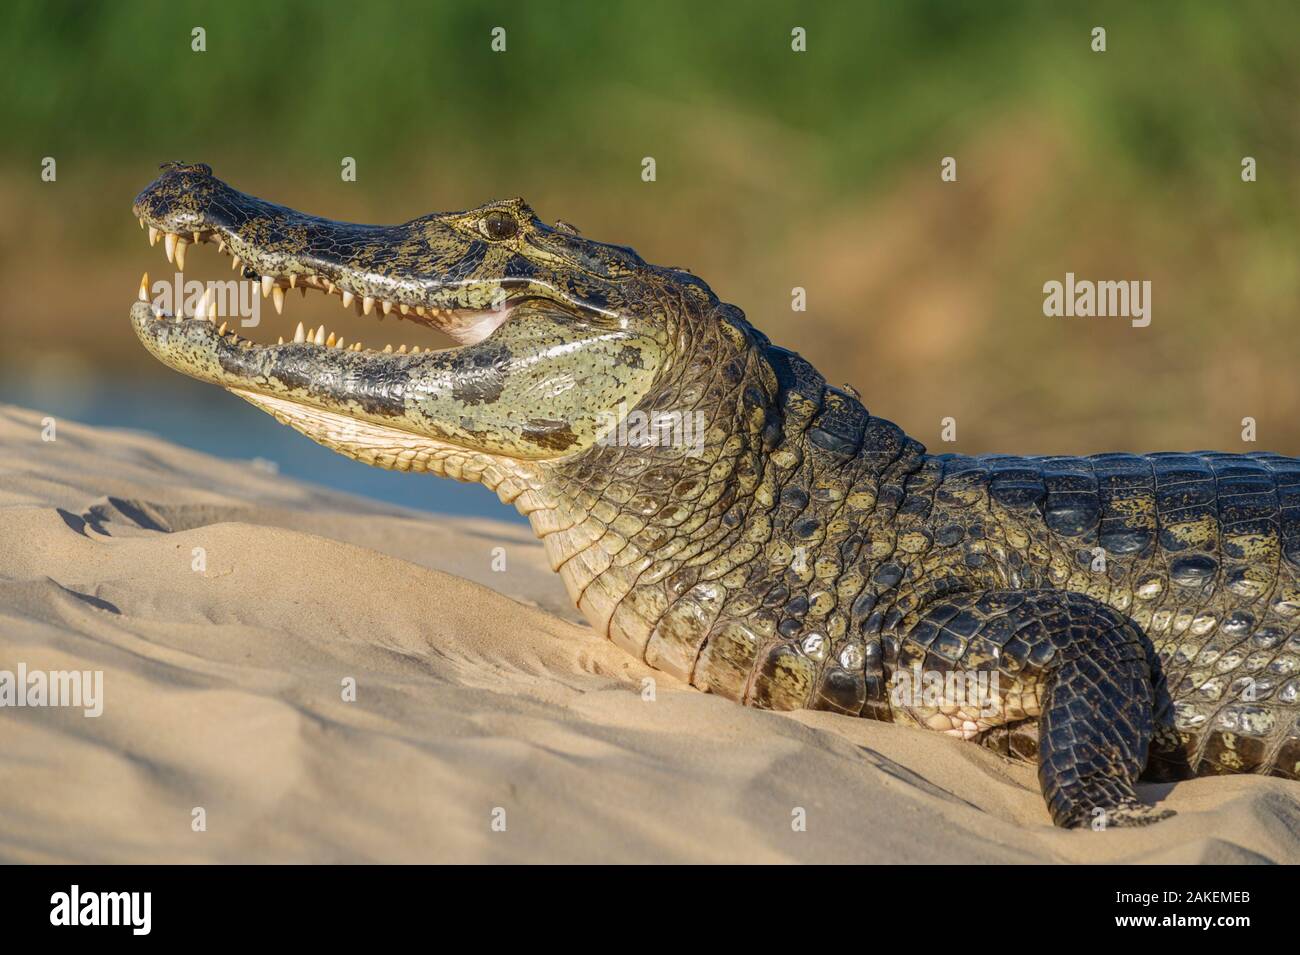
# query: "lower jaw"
{"type": "Point", "coordinates": [372, 444]}
{"type": "Point", "coordinates": [515, 482]}
{"type": "Point", "coordinates": [213, 354]}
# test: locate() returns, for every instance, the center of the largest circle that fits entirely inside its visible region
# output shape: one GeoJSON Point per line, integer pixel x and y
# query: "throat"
{"type": "Point", "coordinates": [398, 450]}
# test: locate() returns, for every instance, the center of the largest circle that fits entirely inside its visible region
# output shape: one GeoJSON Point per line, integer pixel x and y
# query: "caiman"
{"type": "Point", "coordinates": [1128, 617]}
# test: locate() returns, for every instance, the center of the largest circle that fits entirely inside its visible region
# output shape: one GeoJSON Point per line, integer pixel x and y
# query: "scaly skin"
{"type": "Point", "coordinates": [1141, 612]}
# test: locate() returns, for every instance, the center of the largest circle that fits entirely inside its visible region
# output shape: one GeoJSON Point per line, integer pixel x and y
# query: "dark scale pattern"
{"type": "Point", "coordinates": [1107, 616]}
{"type": "Point", "coordinates": [1135, 573]}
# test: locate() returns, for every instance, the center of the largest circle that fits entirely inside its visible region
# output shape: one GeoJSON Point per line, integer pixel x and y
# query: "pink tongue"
{"type": "Point", "coordinates": [470, 328]}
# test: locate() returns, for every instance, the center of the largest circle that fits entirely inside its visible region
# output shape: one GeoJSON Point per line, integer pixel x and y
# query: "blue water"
{"type": "Point", "coordinates": [208, 419]}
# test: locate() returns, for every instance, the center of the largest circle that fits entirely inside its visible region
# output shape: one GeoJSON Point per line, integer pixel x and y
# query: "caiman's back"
{"type": "Point", "coordinates": [1201, 550]}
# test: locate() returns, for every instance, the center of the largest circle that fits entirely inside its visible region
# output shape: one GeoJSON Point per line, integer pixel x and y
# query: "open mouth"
{"type": "Point", "coordinates": [532, 335]}
{"type": "Point", "coordinates": [465, 326]}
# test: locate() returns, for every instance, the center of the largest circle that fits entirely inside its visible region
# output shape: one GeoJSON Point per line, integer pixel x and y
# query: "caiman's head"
{"type": "Point", "coordinates": [555, 332]}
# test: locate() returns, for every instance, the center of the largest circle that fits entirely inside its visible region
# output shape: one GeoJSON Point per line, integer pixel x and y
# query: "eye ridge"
{"type": "Point", "coordinates": [499, 225]}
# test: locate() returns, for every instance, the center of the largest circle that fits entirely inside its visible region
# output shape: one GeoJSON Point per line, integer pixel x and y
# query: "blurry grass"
{"type": "Point", "coordinates": [775, 170]}
{"type": "Point", "coordinates": [1182, 84]}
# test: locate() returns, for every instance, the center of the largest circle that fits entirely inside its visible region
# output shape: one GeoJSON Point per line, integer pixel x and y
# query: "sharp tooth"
{"type": "Point", "coordinates": [402, 350]}
{"type": "Point", "coordinates": [421, 311]}
{"type": "Point", "coordinates": [330, 287]}
{"type": "Point", "coordinates": [222, 329]}
{"type": "Point", "coordinates": [415, 350]}
{"type": "Point", "coordinates": [153, 236]}
{"type": "Point", "coordinates": [181, 246]}
{"type": "Point", "coordinates": [198, 237]}
{"type": "Point", "coordinates": [387, 306]}
{"type": "Point", "coordinates": [141, 218]}
{"type": "Point", "coordinates": [221, 244]}
{"type": "Point", "coordinates": [404, 309]}
{"type": "Point", "coordinates": [201, 306]}
{"type": "Point", "coordinates": [293, 280]}
{"type": "Point", "coordinates": [235, 263]}
{"type": "Point", "coordinates": [347, 298]}
{"type": "Point", "coordinates": [281, 341]}
{"type": "Point", "coordinates": [329, 342]}
{"type": "Point", "coordinates": [212, 311]}
{"type": "Point", "coordinates": [267, 282]}
{"type": "Point", "coordinates": [338, 343]}
{"type": "Point", "coordinates": [356, 346]}
{"type": "Point", "coordinates": [277, 296]}
{"type": "Point", "coordinates": [367, 303]}
{"type": "Point", "coordinates": [144, 287]}
{"type": "Point", "coordinates": [320, 336]}
{"type": "Point", "coordinates": [169, 245]}
{"type": "Point", "coordinates": [299, 334]}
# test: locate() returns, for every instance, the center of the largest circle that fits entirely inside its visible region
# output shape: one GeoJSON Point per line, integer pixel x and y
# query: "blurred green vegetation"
{"type": "Point", "coordinates": [775, 169]}
{"type": "Point", "coordinates": [1181, 83]}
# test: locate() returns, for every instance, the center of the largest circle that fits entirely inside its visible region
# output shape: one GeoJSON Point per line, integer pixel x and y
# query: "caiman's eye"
{"type": "Point", "coordinates": [498, 225]}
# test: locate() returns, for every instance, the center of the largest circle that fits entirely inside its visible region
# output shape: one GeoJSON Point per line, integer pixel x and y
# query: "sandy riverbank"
{"type": "Point", "coordinates": [477, 690]}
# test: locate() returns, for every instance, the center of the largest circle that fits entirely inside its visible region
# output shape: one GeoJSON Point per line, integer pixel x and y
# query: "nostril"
{"type": "Point", "coordinates": [173, 165]}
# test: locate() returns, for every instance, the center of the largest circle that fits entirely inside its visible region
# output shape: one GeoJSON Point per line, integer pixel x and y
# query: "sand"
{"type": "Point", "coordinates": [489, 724]}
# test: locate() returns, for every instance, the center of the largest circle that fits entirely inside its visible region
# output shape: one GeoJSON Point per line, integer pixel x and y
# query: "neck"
{"type": "Point", "coordinates": [701, 558]}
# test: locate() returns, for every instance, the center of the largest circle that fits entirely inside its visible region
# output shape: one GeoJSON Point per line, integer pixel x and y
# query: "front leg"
{"type": "Point", "coordinates": [1083, 669]}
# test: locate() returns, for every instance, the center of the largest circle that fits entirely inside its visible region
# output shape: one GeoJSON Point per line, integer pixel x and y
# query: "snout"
{"type": "Point", "coordinates": [185, 199]}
